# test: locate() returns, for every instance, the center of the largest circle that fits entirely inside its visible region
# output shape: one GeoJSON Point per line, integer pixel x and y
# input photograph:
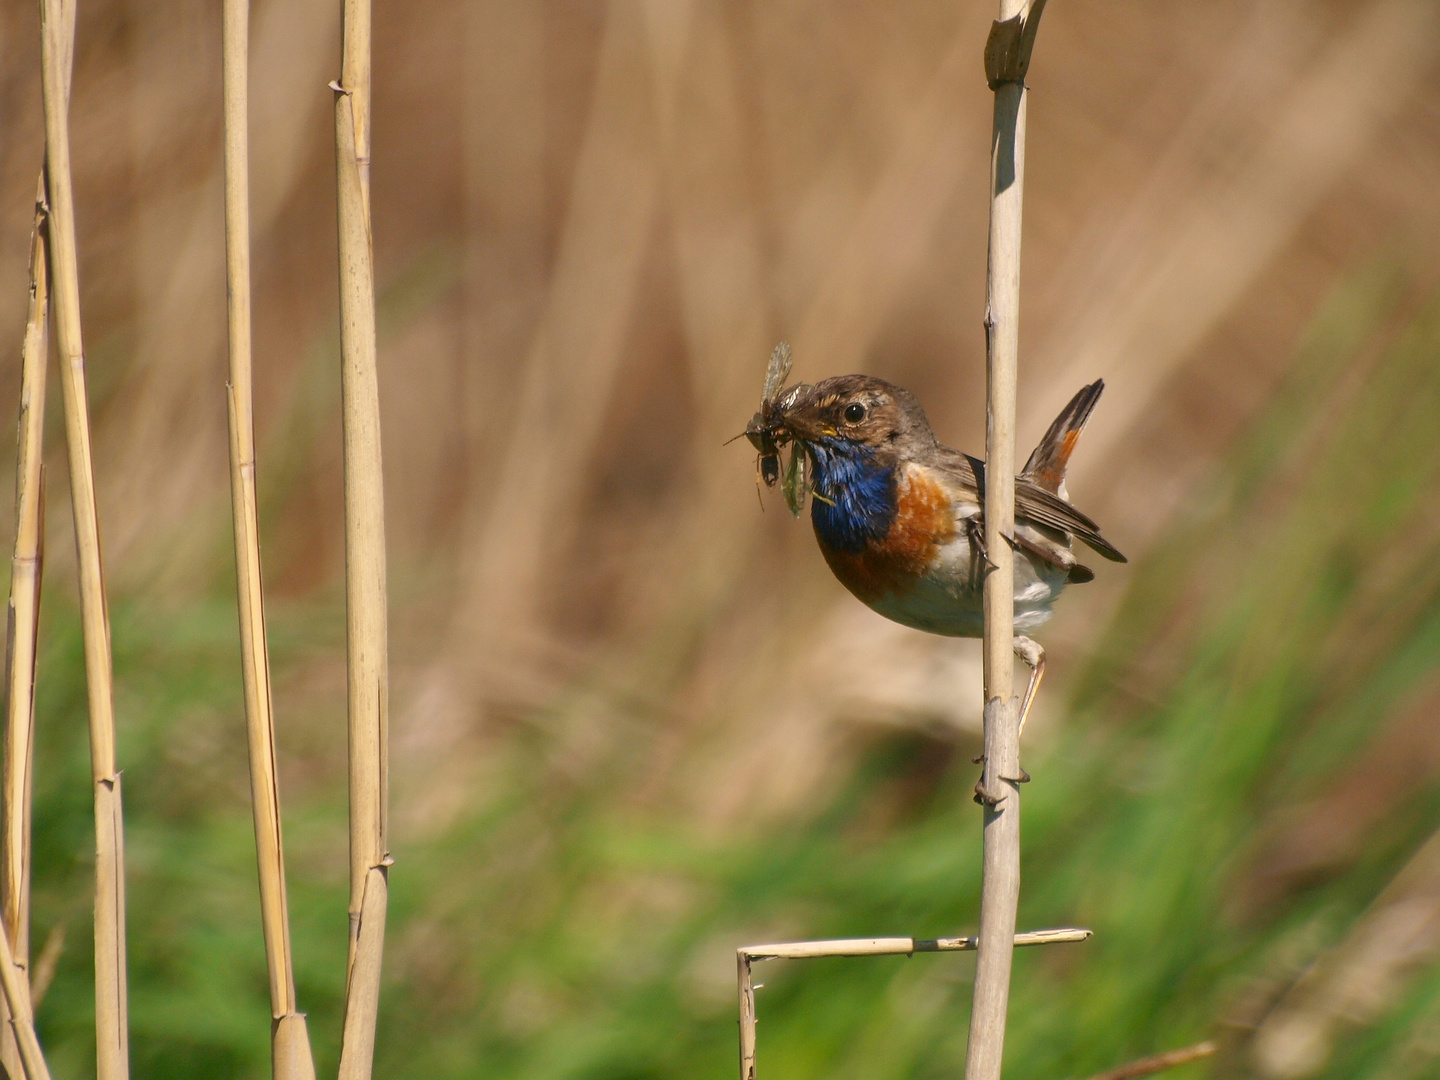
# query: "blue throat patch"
{"type": "Point", "coordinates": [861, 494]}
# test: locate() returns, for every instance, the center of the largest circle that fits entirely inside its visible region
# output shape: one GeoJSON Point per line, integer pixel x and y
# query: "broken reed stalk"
{"type": "Point", "coordinates": [748, 955]}
{"type": "Point", "coordinates": [1006, 58]}
{"type": "Point", "coordinates": [57, 30]}
{"type": "Point", "coordinates": [290, 1054]}
{"type": "Point", "coordinates": [23, 621]}
{"type": "Point", "coordinates": [365, 604]}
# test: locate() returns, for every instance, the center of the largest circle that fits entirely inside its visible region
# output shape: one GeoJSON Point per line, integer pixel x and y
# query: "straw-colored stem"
{"type": "Point", "coordinates": [290, 1050]}
{"type": "Point", "coordinates": [42, 973]}
{"type": "Point", "coordinates": [362, 989]}
{"type": "Point", "coordinates": [747, 1014]}
{"type": "Point", "coordinates": [1000, 891]}
{"type": "Point", "coordinates": [898, 946]}
{"type": "Point", "coordinates": [21, 1017]}
{"type": "Point", "coordinates": [749, 955]}
{"type": "Point", "coordinates": [111, 1021]}
{"type": "Point", "coordinates": [26, 570]}
{"type": "Point", "coordinates": [365, 604]}
{"type": "Point", "coordinates": [1159, 1062]}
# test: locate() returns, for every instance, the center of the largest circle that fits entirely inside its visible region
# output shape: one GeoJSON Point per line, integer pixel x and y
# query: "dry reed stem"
{"type": "Point", "coordinates": [16, 992]}
{"type": "Point", "coordinates": [747, 955]}
{"type": "Point", "coordinates": [290, 1048]}
{"type": "Point", "coordinates": [57, 31]}
{"type": "Point", "coordinates": [26, 570]}
{"type": "Point", "coordinates": [362, 990]}
{"type": "Point", "coordinates": [1158, 1063]}
{"type": "Point", "coordinates": [366, 645]}
{"type": "Point", "coordinates": [1006, 58]}
{"type": "Point", "coordinates": [42, 974]}
{"type": "Point", "coordinates": [744, 978]}
{"type": "Point", "coordinates": [898, 946]}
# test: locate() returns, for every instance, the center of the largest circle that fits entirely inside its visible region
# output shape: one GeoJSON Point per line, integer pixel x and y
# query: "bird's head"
{"type": "Point", "coordinates": [857, 430]}
{"type": "Point", "coordinates": [858, 415]}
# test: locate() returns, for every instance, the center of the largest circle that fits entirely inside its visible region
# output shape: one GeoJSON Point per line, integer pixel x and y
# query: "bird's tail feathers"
{"type": "Point", "coordinates": [1046, 467]}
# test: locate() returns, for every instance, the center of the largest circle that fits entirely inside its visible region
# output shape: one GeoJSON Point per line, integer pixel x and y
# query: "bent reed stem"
{"type": "Point", "coordinates": [748, 955]}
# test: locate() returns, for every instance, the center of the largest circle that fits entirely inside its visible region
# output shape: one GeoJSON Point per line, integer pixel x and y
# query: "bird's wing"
{"type": "Point", "coordinates": [1033, 504]}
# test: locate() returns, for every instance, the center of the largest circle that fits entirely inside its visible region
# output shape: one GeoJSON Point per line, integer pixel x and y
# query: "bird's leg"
{"type": "Point", "coordinates": [979, 554]}
{"type": "Point", "coordinates": [1034, 657]}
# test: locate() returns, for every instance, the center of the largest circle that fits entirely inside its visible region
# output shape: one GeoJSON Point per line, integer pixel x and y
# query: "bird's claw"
{"type": "Point", "coordinates": [979, 553]}
{"type": "Point", "coordinates": [985, 797]}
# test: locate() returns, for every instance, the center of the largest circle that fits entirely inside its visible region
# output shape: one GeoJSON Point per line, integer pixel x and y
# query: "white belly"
{"type": "Point", "coordinates": [947, 601]}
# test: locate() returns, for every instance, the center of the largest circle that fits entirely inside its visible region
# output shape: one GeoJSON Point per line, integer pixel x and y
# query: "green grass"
{"type": "Point", "coordinates": [1263, 655]}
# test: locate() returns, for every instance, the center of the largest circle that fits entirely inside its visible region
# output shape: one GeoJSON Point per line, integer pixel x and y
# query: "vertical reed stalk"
{"type": "Point", "coordinates": [291, 1058]}
{"type": "Point", "coordinates": [366, 644]}
{"type": "Point", "coordinates": [1006, 59]}
{"type": "Point", "coordinates": [57, 29]}
{"type": "Point", "coordinates": [26, 568]}
{"type": "Point", "coordinates": [746, 983]}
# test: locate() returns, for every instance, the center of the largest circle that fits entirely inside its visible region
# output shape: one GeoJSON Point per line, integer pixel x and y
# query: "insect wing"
{"type": "Point", "coordinates": [777, 372]}
{"type": "Point", "coordinates": [796, 483]}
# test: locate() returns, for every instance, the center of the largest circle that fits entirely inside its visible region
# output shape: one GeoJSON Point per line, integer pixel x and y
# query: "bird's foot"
{"type": "Point", "coordinates": [979, 553]}
{"type": "Point", "coordinates": [985, 797]}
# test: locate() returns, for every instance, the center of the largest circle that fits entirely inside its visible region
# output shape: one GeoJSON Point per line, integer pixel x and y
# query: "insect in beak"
{"type": "Point", "coordinates": [769, 434]}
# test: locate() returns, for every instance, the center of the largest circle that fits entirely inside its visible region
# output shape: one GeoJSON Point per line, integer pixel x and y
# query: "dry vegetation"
{"type": "Point", "coordinates": [591, 223]}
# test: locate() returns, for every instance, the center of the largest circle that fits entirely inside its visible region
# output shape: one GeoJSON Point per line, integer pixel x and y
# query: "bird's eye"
{"type": "Point", "coordinates": [854, 412]}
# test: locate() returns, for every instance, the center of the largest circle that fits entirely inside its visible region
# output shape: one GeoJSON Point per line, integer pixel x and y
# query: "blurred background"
{"type": "Point", "coordinates": [636, 723]}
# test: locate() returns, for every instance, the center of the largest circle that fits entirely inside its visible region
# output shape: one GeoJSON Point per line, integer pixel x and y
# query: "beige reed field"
{"type": "Point", "coordinates": [634, 722]}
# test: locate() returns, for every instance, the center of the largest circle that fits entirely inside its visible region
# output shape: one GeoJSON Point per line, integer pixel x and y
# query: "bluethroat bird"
{"type": "Point", "coordinates": [897, 514]}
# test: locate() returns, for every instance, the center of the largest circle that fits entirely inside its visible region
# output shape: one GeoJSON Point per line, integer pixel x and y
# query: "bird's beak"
{"type": "Point", "coordinates": [805, 422]}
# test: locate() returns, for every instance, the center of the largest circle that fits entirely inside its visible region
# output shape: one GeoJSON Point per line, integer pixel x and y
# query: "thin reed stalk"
{"type": "Point", "coordinates": [365, 603]}
{"type": "Point", "coordinates": [22, 625]}
{"type": "Point", "coordinates": [16, 991]}
{"type": "Point", "coordinates": [1157, 1063]}
{"type": "Point", "coordinates": [899, 946]}
{"type": "Point", "coordinates": [291, 1058]}
{"type": "Point", "coordinates": [57, 31]}
{"type": "Point", "coordinates": [42, 973]}
{"type": "Point", "coordinates": [1006, 59]}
